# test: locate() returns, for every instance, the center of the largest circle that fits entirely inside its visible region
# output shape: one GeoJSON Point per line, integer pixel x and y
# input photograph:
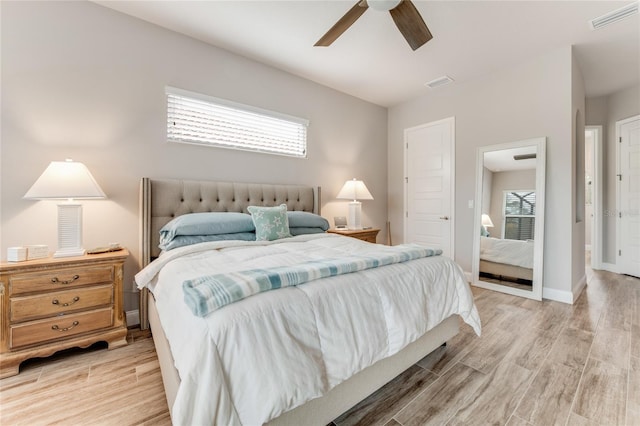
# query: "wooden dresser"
{"type": "Point", "coordinates": [52, 304]}
{"type": "Point", "coordinates": [369, 235]}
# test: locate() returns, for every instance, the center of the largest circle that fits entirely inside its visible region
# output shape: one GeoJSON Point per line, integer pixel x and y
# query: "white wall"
{"type": "Point", "coordinates": [605, 111]}
{"type": "Point", "coordinates": [578, 273]}
{"type": "Point", "coordinates": [529, 100]}
{"type": "Point", "coordinates": [487, 185]}
{"type": "Point", "coordinates": [82, 81]}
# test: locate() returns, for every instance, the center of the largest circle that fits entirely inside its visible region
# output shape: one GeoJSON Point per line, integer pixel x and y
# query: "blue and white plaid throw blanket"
{"type": "Point", "coordinates": [205, 294]}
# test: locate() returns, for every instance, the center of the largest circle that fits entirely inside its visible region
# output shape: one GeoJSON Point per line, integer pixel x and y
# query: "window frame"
{"type": "Point", "coordinates": [505, 215]}
{"type": "Point", "coordinates": [238, 109]}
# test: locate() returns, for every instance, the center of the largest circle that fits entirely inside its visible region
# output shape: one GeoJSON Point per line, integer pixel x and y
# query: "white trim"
{"type": "Point", "coordinates": [469, 276]}
{"type": "Point", "coordinates": [618, 233]}
{"type": "Point", "coordinates": [557, 295]}
{"type": "Point", "coordinates": [577, 289]}
{"type": "Point", "coordinates": [452, 171]}
{"type": "Point", "coordinates": [596, 200]}
{"type": "Point", "coordinates": [133, 317]}
{"type": "Point", "coordinates": [537, 292]}
{"type": "Point", "coordinates": [609, 267]}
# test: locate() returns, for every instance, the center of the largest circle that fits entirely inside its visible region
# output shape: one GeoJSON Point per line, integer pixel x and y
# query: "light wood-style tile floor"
{"type": "Point", "coordinates": [537, 363]}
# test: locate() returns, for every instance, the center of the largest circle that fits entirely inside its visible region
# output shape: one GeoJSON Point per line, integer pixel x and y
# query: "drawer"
{"type": "Point", "coordinates": [60, 327]}
{"type": "Point", "coordinates": [60, 302]}
{"type": "Point", "coordinates": [60, 279]}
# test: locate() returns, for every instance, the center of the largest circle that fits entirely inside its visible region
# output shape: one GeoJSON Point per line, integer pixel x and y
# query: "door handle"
{"type": "Point", "coordinates": [444, 217]}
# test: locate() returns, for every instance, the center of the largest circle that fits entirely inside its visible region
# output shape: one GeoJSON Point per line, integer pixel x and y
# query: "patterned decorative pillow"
{"type": "Point", "coordinates": [271, 222]}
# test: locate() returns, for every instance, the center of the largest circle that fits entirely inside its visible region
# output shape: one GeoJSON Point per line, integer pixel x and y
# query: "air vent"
{"type": "Point", "coordinates": [440, 81]}
{"type": "Point", "coordinates": [614, 16]}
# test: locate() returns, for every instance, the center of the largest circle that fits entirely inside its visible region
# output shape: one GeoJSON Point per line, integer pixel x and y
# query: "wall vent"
{"type": "Point", "coordinates": [614, 16]}
{"type": "Point", "coordinates": [524, 156]}
{"type": "Point", "coordinates": [440, 81]}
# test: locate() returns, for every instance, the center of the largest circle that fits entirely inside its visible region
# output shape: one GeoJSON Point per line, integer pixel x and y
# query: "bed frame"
{"type": "Point", "coordinates": [163, 199]}
{"type": "Point", "coordinates": [506, 270]}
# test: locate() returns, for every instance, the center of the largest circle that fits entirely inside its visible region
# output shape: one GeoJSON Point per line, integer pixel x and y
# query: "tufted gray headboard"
{"type": "Point", "coordinates": [163, 199]}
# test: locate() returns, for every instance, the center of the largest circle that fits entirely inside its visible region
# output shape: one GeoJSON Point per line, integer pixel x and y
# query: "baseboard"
{"type": "Point", "coordinates": [133, 318]}
{"type": "Point", "coordinates": [580, 285]}
{"type": "Point", "coordinates": [557, 295]}
{"type": "Point", "coordinates": [553, 294]}
{"type": "Point", "coordinates": [610, 267]}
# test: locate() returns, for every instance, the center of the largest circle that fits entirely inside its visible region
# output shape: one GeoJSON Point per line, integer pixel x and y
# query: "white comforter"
{"type": "Point", "coordinates": [251, 361]}
{"type": "Point", "coordinates": [510, 252]}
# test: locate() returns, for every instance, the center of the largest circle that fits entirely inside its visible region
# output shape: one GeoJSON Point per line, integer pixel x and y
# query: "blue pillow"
{"type": "Point", "coordinates": [185, 240]}
{"type": "Point", "coordinates": [271, 222]}
{"type": "Point", "coordinates": [300, 230]}
{"type": "Point", "coordinates": [307, 220]}
{"type": "Point", "coordinates": [213, 223]}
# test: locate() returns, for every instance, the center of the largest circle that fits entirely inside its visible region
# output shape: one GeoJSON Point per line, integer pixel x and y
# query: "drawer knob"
{"type": "Point", "coordinates": [56, 328]}
{"type": "Point", "coordinates": [55, 280]}
{"type": "Point", "coordinates": [57, 302]}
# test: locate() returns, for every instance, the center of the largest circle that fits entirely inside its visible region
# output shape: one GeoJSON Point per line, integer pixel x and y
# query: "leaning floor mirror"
{"type": "Point", "coordinates": [509, 218]}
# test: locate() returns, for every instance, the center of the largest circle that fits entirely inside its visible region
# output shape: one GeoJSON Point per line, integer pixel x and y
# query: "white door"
{"type": "Point", "coordinates": [629, 196]}
{"type": "Point", "coordinates": [429, 171]}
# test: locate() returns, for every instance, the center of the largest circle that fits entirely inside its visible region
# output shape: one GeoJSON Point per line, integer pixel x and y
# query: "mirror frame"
{"type": "Point", "coordinates": [538, 249]}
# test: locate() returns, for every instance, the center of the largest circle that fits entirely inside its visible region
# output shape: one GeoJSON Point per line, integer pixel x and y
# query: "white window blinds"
{"type": "Point", "coordinates": [519, 215]}
{"type": "Point", "coordinates": [204, 120]}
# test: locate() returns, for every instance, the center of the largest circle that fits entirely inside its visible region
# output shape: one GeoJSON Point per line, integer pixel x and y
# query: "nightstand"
{"type": "Point", "coordinates": [368, 235]}
{"type": "Point", "coordinates": [52, 304]}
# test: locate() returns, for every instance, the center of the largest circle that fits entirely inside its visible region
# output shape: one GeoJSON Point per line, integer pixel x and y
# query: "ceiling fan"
{"type": "Point", "coordinates": [403, 12]}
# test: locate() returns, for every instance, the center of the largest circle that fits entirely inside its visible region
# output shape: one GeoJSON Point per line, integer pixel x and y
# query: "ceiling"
{"type": "Point", "coordinates": [372, 61]}
{"type": "Point", "coordinates": [503, 161]}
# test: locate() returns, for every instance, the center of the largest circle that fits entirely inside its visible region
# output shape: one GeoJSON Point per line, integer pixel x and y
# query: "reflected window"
{"type": "Point", "coordinates": [519, 215]}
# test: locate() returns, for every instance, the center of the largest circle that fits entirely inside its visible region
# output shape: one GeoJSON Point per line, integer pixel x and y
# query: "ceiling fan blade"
{"type": "Point", "coordinates": [411, 24]}
{"type": "Point", "coordinates": [343, 23]}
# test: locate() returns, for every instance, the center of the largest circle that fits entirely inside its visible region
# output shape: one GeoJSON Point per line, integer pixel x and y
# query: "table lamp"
{"type": "Point", "coordinates": [67, 180]}
{"type": "Point", "coordinates": [486, 223]}
{"type": "Point", "coordinates": [354, 190]}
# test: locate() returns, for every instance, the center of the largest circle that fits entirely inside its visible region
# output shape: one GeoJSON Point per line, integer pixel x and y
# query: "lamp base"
{"type": "Point", "coordinates": [69, 230]}
{"type": "Point", "coordinates": [355, 213]}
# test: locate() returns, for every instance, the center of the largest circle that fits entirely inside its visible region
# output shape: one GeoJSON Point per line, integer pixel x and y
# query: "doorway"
{"type": "Point", "coordinates": [593, 195]}
{"type": "Point", "coordinates": [628, 195]}
{"type": "Point", "coordinates": [429, 185]}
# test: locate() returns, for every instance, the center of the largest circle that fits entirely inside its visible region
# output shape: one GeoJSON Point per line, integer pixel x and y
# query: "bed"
{"type": "Point", "coordinates": [506, 258]}
{"type": "Point", "coordinates": [322, 371]}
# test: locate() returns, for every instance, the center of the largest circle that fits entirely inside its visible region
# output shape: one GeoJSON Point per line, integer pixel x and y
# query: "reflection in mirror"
{"type": "Point", "coordinates": [509, 218]}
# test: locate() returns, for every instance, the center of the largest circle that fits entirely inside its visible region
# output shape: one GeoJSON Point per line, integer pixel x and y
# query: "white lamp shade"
{"type": "Point", "coordinates": [486, 220]}
{"type": "Point", "coordinates": [65, 179]}
{"type": "Point", "coordinates": [354, 190]}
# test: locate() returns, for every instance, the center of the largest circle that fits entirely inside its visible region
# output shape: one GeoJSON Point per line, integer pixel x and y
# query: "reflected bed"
{"type": "Point", "coordinates": [506, 259]}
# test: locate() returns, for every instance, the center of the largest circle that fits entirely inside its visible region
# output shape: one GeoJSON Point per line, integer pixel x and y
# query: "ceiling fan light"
{"type": "Point", "coordinates": [383, 5]}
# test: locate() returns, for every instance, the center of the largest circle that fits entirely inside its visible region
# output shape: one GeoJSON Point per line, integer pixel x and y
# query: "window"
{"type": "Point", "coordinates": [519, 215]}
{"type": "Point", "coordinates": [204, 120]}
